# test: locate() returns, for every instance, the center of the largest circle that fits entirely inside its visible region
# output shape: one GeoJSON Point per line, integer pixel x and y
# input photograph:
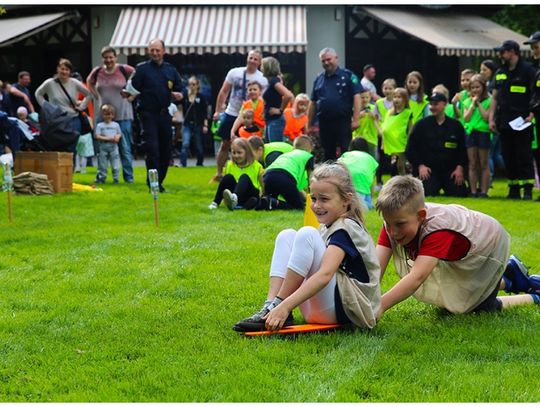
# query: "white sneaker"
{"type": "Point", "coordinates": [213, 205]}
{"type": "Point", "coordinates": [230, 199]}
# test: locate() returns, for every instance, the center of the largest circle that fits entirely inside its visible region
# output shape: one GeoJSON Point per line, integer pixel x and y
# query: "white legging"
{"type": "Point", "coordinates": [302, 252]}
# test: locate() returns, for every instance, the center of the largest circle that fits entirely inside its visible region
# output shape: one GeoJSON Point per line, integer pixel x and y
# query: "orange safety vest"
{"type": "Point", "coordinates": [294, 126]}
{"type": "Point", "coordinates": [242, 132]}
{"type": "Point", "coordinates": [258, 112]}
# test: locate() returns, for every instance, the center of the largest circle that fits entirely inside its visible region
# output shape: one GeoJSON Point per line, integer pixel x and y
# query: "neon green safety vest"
{"type": "Point", "coordinates": [362, 167]}
{"type": "Point", "coordinates": [477, 122]}
{"type": "Point", "coordinates": [417, 109]}
{"type": "Point", "coordinates": [253, 170]}
{"type": "Point", "coordinates": [381, 108]}
{"type": "Point", "coordinates": [280, 146]}
{"type": "Point", "coordinates": [294, 162]}
{"type": "Point", "coordinates": [366, 128]}
{"type": "Point", "coordinates": [394, 131]}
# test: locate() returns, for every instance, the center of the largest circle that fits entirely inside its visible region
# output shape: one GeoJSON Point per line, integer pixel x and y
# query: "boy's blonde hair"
{"type": "Point", "coordinates": [440, 88]}
{"type": "Point", "coordinates": [255, 142]}
{"type": "Point", "coordinates": [401, 192]}
{"type": "Point", "coordinates": [108, 108]}
{"type": "Point", "coordinates": [248, 113]}
{"type": "Point", "coordinates": [468, 71]}
{"type": "Point", "coordinates": [303, 142]}
{"type": "Point", "coordinates": [390, 81]}
{"type": "Point", "coordinates": [254, 83]}
{"type": "Point", "coordinates": [338, 175]}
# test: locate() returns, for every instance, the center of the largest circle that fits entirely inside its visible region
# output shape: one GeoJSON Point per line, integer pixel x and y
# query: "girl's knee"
{"type": "Point", "coordinates": [307, 232]}
{"type": "Point", "coordinates": [286, 234]}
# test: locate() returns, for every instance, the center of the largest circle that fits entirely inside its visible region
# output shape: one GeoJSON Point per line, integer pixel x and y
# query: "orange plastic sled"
{"type": "Point", "coordinates": [296, 329]}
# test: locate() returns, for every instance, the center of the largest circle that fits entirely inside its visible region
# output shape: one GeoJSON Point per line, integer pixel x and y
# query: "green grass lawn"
{"type": "Point", "coordinates": [97, 304]}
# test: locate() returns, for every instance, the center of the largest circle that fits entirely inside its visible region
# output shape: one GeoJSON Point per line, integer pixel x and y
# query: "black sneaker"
{"type": "Point", "coordinates": [257, 323]}
{"type": "Point", "coordinates": [251, 203]}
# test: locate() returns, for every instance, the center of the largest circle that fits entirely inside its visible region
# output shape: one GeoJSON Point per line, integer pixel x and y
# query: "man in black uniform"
{"type": "Point", "coordinates": [158, 83]}
{"type": "Point", "coordinates": [510, 100]}
{"type": "Point", "coordinates": [534, 42]}
{"type": "Point", "coordinates": [437, 152]}
{"type": "Point", "coordinates": [335, 97]}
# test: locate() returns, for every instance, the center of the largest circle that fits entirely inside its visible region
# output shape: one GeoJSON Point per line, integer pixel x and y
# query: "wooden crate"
{"type": "Point", "coordinates": [57, 166]}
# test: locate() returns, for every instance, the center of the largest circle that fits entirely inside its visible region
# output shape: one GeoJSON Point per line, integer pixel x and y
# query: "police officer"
{"type": "Point", "coordinates": [511, 96]}
{"type": "Point", "coordinates": [158, 83]}
{"type": "Point", "coordinates": [335, 96]}
{"type": "Point", "coordinates": [436, 149]}
{"type": "Point", "coordinates": [534, 42]}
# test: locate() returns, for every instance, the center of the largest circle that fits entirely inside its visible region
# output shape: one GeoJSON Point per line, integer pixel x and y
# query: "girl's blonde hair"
{"type": "Point", "coordinates": [421, 92]}
{"type": "Point", "coordinates": [339, 176]}
{"type": "Point", "coordinates": [404, 95]}
{"type": "Point", "coordinates": [270, 67]}
{"type": "Point", "coordinates": [301, 97]}
{"type": "Point", "coordinates": [244, 145]}
{"type": "Point", "coordinates": [482, 81]}
{"type": "Point", "coordinates": [196, 80]}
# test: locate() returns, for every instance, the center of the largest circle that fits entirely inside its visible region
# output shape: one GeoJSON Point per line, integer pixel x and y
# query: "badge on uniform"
{"type": "Point", "coordinates": [170, 84]}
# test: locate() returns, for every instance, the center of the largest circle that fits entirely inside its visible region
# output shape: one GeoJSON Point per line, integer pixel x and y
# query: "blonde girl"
{"type": "Point", "coordinates": [396, 128]}
{"type": "Point", "coordinates": [242, 177]}
{"type": "Point", "coordinates": [414, 83]}
{"type": "Point", "coordinates": [308, 264]}
{"type": "Point", "coordinates": [476, 118]}
{"type": "Point", "coordinates": [296, 119]}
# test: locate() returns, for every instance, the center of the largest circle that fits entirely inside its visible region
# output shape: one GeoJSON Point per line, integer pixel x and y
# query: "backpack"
{"type": "Point", "coordinates": [122, 69]}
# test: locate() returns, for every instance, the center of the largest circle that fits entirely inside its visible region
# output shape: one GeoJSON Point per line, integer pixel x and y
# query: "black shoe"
{"type": "Point", "coordinates": [263, 203]}
{"type": "Point", "coordinates": [251, 203]}
{"type": "Point", "coordinates": [162, 189]}
{"type": "Point", "coordinates": [257, 323]}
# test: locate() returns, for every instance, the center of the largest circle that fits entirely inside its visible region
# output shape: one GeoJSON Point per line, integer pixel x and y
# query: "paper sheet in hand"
{"type": "Point", "coordinates": [519, 124]}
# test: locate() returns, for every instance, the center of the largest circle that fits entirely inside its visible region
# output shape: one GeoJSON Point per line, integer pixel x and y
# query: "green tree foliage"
{"type": "Point", "coordinates": [520, 18]}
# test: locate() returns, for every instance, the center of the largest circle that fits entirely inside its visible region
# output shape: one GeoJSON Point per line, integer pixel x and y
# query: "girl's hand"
{"type": "Point", "coordinates": [475, 100]}
{"type": "Point", "coordinates": [277, 317]}
{"type": "Point", "coordinates": [205, 129]}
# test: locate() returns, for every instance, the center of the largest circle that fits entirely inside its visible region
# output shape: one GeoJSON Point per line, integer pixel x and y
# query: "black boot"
{"type": "Point", "coordinates": [513, 192]}
{"type": "Point", "coordinates": [527, 192]}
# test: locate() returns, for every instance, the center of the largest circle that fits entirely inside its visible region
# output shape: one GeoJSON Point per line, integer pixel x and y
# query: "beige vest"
{"type": "Point", "coordinates": [460, 286]}
{"type": "Point", "coordinates": [361, 301]}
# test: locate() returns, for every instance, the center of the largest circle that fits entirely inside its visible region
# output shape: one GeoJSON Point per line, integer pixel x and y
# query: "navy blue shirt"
{"type": "Point", "coordinates": [334, 94]}
{"type": "Point", "coordinates": [156, 82]}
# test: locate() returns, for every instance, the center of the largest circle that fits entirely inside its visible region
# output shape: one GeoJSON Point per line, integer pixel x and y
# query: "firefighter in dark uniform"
{"type": "Point", "coordinates": [511, 97]}
{"type": "Point", "coordinates": [158, 84]}
{"type": "Point", "coordinates": [335, 97]}
{"type": "Point", "coordinates": [534, 42]}
{"type": "Point", "coordinates": [437, 152]}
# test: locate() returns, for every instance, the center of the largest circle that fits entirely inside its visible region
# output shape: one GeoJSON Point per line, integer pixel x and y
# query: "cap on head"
{"type": "Point", "coordinates": [437, 97]}
{"type": "Point", "coordinates": [533, 38]}
{"type": "Point", "coordinates": [507, 46]}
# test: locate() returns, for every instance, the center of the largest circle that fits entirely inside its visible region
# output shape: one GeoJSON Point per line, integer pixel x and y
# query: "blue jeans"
{"type": "Point", "coordinates": [124, 147]}
{"type": "Point", "coordinates": [274, 129]}
{"type": "Point", "coordinates": [191, 131]}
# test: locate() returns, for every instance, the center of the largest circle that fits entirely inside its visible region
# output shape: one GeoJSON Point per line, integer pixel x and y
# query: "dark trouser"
{"type": "Point", "coordinates": [441, 179]}
{"type": "Point", "coordinates": [157, 133]}
{"type": "Point", "coordinates": [244, 188]}
{"type": "Point", "coordinates": [517, 155]}
{"type": "Point", "coordinates": [279, 182]}
{"type": "Point", "coordinates": [335, 133]}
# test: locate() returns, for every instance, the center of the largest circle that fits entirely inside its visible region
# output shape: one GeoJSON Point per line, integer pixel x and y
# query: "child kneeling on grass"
{"type": "Point", "coordinates": [307, 264]}
{"type": "Point", "coordinates": [242, 177]}
{"type": "Point", "coordinates": [447, 255]}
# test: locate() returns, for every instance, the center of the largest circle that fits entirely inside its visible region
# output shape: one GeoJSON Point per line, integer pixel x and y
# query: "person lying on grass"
{"type": "Point", "coordinates": [308, 264]}
{"type": "Point", "coordinates": [447, 255]}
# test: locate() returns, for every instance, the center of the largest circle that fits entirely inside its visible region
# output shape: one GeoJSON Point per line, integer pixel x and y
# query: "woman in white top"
{"type": "Point", "coordinates": [56, 96]}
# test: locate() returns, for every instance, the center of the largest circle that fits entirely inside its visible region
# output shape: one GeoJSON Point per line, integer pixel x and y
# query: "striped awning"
{"type": "Point", "coordinates": [451, 33]}
{"type": "Point", "coordinates": [212, 29]}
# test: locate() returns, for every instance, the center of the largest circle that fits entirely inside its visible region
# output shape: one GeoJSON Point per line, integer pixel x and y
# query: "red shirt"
{"type": "Point", "coordinates": [443, 244]}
